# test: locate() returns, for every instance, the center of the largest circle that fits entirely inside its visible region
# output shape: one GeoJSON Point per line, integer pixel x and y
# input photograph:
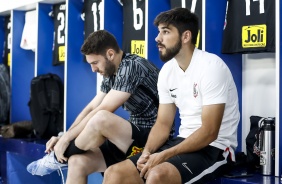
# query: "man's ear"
{"type": "Point", "coordinates": [186, 36]}
{"type": "Point", "coordinates": [110, 54]}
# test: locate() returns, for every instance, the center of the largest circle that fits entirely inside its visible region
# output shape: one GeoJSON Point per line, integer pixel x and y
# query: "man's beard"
{"type": "Point", "coordinates": [109, 69]}
{"type": "Point", "coordinates": [170, 52]}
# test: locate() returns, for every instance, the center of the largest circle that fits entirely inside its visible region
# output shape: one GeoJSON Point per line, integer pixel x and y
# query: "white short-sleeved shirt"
{"type": "Point", "coordinates": [206, 81]}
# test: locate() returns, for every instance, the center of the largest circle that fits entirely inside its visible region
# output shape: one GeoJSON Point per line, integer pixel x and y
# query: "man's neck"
{"type": "Point", "coordinates": [184, 57]}
{"type": "Point", "coordinates": [118, 59]}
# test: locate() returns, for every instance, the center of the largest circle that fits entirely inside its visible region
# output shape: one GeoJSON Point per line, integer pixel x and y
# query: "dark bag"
{"type": "Point", "coordinates": [22, 129]}
{"type": "Point", "coordinates": [252, 142]}
{"type": "Point", "coordinates": [46, 105]}
{"type": "Point", "coordinates": [4, 95]}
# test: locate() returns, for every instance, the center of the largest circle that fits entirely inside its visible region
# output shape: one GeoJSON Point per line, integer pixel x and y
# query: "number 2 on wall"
{"type": "Point", "coordinates": [61, 27]}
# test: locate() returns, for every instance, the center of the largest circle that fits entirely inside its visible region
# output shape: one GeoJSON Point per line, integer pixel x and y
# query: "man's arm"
{"type": "Point", "coordinates": [211, 120]}
{"type": "Point", "coordinates": [159, 133]}
{"type": "Point", "coordinates": [95, 102]}
{"type": "Point", "coordinates": [207, 133]}
{"type": "Point", "coordinates": [110, 102]}
{"type": "Point", "coordinates": [161, 129]}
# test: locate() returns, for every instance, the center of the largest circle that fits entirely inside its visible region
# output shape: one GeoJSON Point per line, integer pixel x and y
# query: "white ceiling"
{"type": "Point", "coordinates": [7, 5]}
{"type": "Point", "coordinates": [11, 4]}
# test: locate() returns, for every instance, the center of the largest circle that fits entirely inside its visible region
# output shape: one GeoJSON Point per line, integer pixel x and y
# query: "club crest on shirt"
{"type": "Point", "coordinates": [195, 91]}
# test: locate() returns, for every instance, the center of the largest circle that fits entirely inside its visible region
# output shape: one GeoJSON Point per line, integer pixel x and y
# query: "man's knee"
{"type": "Point", "coordinates": [99, 120]}
{"type": "Point", "coordinates": [74, 161]}
{"type": "Point", "coordinates": [113, 171]}
{"type": "Point", "coordinates": [155, 176]}
{"type": "Point", "coordinates": [163, 173]}
{"type": "Point", "coordinates": [120, 169]}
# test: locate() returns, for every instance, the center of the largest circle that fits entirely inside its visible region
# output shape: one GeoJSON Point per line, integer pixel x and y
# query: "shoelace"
{"type": "Point", "coordinates": [60, 172]}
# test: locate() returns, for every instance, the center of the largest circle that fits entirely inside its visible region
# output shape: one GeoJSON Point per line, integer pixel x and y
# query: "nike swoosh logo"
{"type": "Point", "coordinates": [172, 89]}
{"type": "Point", "coordinates": [184, 165]}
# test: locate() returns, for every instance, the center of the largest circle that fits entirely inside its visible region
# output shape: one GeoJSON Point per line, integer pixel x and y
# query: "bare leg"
{"type": "Point", "coordinates": [124, 172]}
{"type": "Point", "coordinates": [81, 165]}
{"type": "Point", "coordinates": [105, 125]}
{"type": "Point", "coordinates": [165, 173]}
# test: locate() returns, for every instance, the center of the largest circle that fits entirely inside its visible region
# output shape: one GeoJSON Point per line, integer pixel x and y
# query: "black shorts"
{"type": "Point", "coordinates": [196, 167]}
{"type": "Point", "coordinates": [112, 154]}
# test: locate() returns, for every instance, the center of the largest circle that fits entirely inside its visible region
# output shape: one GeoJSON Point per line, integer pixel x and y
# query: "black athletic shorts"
{"type": "Point", "coordinates": [112, 154]}
{"type": "Point", "coordinates": [196, 167]}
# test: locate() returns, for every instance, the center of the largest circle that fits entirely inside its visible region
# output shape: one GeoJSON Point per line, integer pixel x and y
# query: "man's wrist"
{"type": "Point", "coordinates": [146, 152]}
{"type": "Point", "coordinates": [66, 137]}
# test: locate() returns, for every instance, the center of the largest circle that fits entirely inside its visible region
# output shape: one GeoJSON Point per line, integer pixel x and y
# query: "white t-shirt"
{"type": "Point", "coordinates": [206, 81]}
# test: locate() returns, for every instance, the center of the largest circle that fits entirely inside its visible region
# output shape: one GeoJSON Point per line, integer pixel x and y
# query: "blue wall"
{"type": "Point", "coordinates": [80, 83]}
{"type": "Point", "coordinates": [22, 70]}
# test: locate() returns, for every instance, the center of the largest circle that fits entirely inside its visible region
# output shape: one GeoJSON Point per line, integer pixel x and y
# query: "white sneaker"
{"type": "Point", "coordinates": [45, 165]}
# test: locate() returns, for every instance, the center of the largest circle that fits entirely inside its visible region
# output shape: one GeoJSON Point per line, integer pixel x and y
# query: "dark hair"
{"type": "Point", "coordinates": [182, 19]}
{"type": "Point", "coordinates": [99, 42]}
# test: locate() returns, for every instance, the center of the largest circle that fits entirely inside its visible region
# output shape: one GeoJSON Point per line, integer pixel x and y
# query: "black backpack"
{"type": "Point", "coordinates": [46, 105]}
{"type": "Point", "coordinates": [4, 95]}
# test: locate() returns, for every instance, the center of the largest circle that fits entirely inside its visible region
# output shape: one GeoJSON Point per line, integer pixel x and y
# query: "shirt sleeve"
{"type": "Point", "coordinates": [215, 84]}
{"type": "Point", "coordinates": [164, 96]}
{"type": "Point", "coordinates": [128, 77]}
{"type": "Point", "coordinates": [105, 85]}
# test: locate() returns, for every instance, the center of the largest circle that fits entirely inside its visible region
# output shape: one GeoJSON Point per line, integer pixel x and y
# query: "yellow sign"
{"type": "Point", "coordinates": [254, 36]}
{"type": "Point", "coordinates": [138, 47]}
{"type": "Point", "coordinates": [62, 54]}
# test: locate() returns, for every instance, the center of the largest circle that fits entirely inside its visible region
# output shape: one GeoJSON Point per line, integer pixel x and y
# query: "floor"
{"type": "Point", "coordinates": [255, 179]}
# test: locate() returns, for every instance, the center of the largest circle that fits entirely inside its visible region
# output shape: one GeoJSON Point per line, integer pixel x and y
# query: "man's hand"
{"type": "Point", "coordinates": [141, 162]}
{"type": "Point", "coordinates": [152, 161]}
{"type": "Point", "coordinates": [60, 149]}
{"type": "Point", "coordinates": [51, 143]}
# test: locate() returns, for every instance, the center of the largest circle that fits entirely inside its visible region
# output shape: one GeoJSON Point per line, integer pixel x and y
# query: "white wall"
{"type": "Point", "coordinates": [258, 89]}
